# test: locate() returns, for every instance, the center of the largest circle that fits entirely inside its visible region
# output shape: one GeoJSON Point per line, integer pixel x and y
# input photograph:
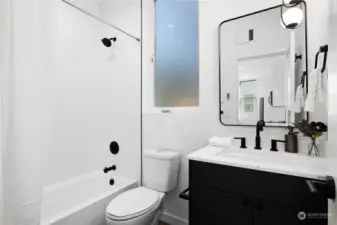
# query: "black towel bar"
{"type": "Point", "coordinates": [327, 187]}
{"type": "Point", "coordinates": [185, 195]}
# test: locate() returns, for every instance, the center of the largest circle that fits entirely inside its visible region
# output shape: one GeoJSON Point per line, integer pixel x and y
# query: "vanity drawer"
{"type": "Point", "coordinates": [285, 189]}
{"type": "Point", "coordinates": [208, 204]}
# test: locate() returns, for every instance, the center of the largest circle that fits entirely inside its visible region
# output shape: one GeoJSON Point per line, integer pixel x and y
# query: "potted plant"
{"type": "Point", "coordinates": [313, 130]}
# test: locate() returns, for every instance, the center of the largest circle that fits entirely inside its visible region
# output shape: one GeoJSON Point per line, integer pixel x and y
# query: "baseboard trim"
{"type": "Point", "coordinates": [172, 220]}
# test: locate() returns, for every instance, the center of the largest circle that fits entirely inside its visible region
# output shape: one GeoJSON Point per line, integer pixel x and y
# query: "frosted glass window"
{"type": "Point", "coordinates": [177, 53]}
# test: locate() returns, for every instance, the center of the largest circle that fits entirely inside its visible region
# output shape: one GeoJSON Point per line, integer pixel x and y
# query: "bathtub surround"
{"type": "Point", "coordinates": [96, 90]}
{"type": "Point", "coordinates": [186, 130]}
{"type": "Point", "coordinates": [82, 200]}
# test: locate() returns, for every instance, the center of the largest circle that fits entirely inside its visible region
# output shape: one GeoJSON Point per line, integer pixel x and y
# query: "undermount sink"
{"type": "Point", "coordinates": [278, 159]}
{"type": "Point", "coordinates": [246, 154]}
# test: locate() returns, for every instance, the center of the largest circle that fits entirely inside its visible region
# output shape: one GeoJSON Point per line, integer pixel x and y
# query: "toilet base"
{"type": "Point", "coordinates": [156, 218]}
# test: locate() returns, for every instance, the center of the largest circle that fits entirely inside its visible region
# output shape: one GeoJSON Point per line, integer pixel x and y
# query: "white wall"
{"type": "Point", "coordinates": [185, 131]}
{"type": "Point", "coordinates": [95, 95]}
{"type": "Point", "coordinates": [318, 35]}
{"type": "Point", "coordinates": [122, 14]}
{"type": "Point", "coordinates": [333, 92]}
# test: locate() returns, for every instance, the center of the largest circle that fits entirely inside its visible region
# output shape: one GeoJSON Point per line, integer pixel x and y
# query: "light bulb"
{"type": "Point", "coordinates": [290, 2]}
{"type": "Point", "coordinates": [292, 18]}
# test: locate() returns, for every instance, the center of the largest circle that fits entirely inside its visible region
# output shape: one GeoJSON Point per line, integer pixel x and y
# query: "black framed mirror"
{"type": "Point", "coordinates": [259, 58]}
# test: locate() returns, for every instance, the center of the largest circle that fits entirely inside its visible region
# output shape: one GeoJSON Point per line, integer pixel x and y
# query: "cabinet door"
{"type": "Point", "coordinates": [272, 213]}
{"type": "Point", "coordinates": [209, 206]}
{"type": "Point", "coordinates": [207, 217]}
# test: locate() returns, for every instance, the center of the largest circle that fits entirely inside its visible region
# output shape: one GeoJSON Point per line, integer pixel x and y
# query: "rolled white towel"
{"type": "Point", "coordinates": [221, 141]}
{"type": "Point", "coordinates": [322, 86]}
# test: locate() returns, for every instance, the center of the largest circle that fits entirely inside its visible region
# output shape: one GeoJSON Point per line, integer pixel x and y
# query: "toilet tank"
{"type": "Point", "coordinates": [160, 170]}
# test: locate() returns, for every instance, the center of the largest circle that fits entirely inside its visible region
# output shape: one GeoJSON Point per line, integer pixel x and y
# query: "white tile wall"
{"type": "Point", "coordinates": [95, 92]}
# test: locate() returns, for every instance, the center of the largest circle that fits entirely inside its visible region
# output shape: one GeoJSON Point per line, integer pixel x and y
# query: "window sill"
{"type": "Point", "coordinates": [170, 110]}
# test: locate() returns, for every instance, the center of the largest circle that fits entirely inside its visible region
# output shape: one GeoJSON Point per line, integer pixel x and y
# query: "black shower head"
{"type": "Point", "coordinates": [107, 41]}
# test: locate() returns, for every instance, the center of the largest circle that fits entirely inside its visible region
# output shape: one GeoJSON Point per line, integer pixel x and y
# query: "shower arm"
{"type": "Point", "coordinates": [102, 21]}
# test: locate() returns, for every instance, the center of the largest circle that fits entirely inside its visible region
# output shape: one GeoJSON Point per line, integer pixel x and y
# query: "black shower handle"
{"type": "Point", "coordinates": [107, 169]}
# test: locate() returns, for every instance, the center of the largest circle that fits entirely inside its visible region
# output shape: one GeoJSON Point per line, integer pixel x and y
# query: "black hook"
{"type": "Point", "coordinates": [323, 49]}
{"type": "Point", "coordinates": [298, 57]}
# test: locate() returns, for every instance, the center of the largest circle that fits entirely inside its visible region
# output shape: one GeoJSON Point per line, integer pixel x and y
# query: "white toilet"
{"type": "Point", "coordinates": [143, 205]}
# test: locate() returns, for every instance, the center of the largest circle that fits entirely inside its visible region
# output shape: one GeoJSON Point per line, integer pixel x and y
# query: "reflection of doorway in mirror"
{"type": "Point", "coordinates": [247, 101]}
{"type": "Point", "coordinates": [263, 76]}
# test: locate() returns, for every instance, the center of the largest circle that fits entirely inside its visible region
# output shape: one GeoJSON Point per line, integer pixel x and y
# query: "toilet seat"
{"type": "Point", "coordinates": [132, 204]}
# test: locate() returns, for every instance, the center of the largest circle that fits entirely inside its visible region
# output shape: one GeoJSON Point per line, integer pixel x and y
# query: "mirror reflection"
{"type": "Point", "coordinates": [259, 58]}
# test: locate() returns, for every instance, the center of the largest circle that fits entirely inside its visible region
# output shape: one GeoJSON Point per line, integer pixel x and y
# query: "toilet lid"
{"type": "Point", "coordinates": [136, 201]}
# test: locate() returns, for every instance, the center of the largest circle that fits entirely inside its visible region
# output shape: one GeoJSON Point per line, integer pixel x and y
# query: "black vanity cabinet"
{"type": "Point", "coordinates": [225, 195]}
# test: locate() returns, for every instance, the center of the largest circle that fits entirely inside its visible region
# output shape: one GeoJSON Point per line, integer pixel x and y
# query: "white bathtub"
{"type": "Point", "coordinates": [82, 200]}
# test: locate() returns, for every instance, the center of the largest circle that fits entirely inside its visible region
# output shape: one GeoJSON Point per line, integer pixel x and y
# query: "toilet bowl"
{"type": "Point", "coordinates": [139, 206]}
{"type": "Point", "coordinates": [143, 205]}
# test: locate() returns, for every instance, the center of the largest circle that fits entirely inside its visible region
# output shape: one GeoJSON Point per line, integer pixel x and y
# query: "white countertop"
{"type": "Point", "coordinates": [275, 162]}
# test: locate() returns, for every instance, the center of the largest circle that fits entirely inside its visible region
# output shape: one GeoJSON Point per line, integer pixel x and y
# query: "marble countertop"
{"type": "Point", "coordinates": [264, 160]}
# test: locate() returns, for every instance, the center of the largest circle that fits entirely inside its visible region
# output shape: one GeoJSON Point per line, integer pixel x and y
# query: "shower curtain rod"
{"type": "Point", "coordinates": [100, 20]}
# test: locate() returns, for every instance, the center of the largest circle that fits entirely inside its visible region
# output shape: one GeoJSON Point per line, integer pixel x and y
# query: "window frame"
{"type": "Point", "coordinates": [150, 103]}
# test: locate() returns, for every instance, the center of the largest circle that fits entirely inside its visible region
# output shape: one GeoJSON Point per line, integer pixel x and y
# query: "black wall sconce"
{"type": "Point", "coordinates": [293, 16]}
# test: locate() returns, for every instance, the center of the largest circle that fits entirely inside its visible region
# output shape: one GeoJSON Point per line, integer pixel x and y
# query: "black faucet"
{"type": "Point", "coordinates": [274, 144]}
{"type": "Point", "coordinates": [243, 141]}
{"type": "Point", "coordinates": [259, 126]}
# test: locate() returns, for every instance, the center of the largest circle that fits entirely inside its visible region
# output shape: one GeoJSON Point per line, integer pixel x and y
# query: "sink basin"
{"type": "Point", "coordinates": [247, 154]}
{"type": "Point", "coordinates": [264, 158]}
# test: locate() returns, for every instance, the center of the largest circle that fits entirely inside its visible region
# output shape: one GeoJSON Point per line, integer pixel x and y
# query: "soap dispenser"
{"type": "Point", "coordinates": [291, 141]}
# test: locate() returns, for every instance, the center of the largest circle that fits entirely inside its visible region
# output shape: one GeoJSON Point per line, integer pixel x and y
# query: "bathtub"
{"type": "Point", "coordinates": [82, 200]}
